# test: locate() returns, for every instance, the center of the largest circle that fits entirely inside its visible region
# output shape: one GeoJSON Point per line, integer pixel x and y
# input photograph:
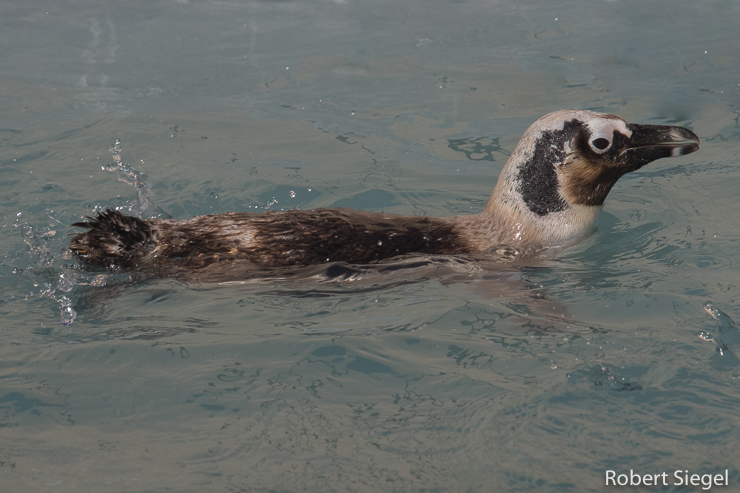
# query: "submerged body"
{"type": "Point", "coordinates": [549, 194]}
{"type": "Point", "coordinates": [270, 239]}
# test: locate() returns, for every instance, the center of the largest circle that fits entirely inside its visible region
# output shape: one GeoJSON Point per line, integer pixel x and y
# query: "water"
{"type": "Point", "coordinates": [616, 354]}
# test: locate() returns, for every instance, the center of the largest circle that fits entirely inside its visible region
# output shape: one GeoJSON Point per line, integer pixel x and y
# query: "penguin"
{"type": "Point", "coordinates": [549, 193]}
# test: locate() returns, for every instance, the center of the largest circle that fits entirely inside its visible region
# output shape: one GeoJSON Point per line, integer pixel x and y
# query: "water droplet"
{"type": "Point", "coordinates": [68, 315]}
{"type": "Point", "coordinates": [66, 283]}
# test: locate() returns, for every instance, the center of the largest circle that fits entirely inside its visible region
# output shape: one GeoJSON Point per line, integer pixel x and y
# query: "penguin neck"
{"type": "Point", "coordinates": [511, 222]}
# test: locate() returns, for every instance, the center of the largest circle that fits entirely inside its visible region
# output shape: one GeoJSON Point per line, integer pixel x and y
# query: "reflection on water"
{"type": "Point", "coordinates": [444, 374]}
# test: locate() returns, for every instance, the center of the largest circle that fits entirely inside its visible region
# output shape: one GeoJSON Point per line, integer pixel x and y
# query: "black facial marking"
{"type": "Point", "coordinates": [591, 175]}
{"type": "Point", "coordinates": [538, 181]}
{"type": "Point", "coordinates": [601, 143]}
{"type": "Point", "coordinates": [618, 143]}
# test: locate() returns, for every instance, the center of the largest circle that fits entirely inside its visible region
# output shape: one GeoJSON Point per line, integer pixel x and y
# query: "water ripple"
{"type": "Point", "coordinates": [715, 260]}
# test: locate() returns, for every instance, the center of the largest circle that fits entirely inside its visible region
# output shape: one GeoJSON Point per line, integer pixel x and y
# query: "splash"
{"type": "Point", "coordinates": [63, 279]}
{"type": "Point", "coordinates": [144, 204]}
{"type": "Point", "coordinates": [728, 336]}
{"type": "Point", "coordinates": [59, 280]}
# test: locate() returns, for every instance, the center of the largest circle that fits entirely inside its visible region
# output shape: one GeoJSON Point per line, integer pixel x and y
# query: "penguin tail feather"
{"type": "Point", "coordinates": [113, 239]}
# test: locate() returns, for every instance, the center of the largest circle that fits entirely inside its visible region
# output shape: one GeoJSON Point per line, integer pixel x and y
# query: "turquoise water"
{"type": "Point", "coordinates": [616, 354]}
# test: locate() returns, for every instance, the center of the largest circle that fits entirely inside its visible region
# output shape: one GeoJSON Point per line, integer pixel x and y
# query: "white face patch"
{"type": "Point", "coordinates": [600, 126]}
{"type": "Point", "coordinates": [602, 132]}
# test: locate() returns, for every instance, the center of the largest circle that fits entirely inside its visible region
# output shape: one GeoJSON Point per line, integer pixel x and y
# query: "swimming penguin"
{"type": "Point", "coordinates": [549, 194]}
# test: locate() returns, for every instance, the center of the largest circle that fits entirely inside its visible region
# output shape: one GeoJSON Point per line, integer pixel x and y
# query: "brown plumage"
{"type": "Point", "coordinates": [271, 239]}
{"type": "Point", "coordinates": [549, 193]}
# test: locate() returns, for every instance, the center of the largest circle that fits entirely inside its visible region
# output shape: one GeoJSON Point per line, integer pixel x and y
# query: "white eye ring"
{"type": "Point", "coordinates": [600, 143]}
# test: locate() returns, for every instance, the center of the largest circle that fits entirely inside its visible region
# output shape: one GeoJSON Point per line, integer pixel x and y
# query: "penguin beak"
{"type": "Point", "coordinates": [651, 142]}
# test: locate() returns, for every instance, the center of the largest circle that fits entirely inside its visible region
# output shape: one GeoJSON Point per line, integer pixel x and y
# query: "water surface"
{"type": "Point", "coordinates": [460, 376]}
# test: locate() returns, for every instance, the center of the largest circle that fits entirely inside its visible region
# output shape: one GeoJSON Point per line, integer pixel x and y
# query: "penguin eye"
{"type": "Point", "coordinates": [600, 144]}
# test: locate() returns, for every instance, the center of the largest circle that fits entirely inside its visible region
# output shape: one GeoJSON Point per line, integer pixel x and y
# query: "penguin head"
{"type": "Point", "coordinates": [556, 180]}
